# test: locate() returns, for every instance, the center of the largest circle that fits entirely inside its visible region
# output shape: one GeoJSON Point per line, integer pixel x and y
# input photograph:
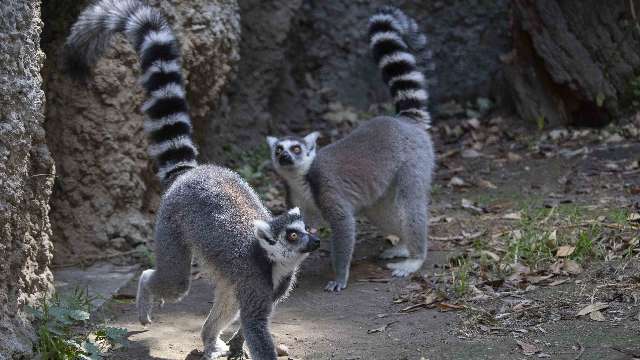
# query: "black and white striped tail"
{"type": "Point", "coordinates": [393, 38]}
{"type": "Point", "coordinates": [168, 124]}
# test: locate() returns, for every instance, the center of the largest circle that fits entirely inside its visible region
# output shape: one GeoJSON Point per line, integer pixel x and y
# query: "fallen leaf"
{"type": "Point", "coordinates": [527, 349]}
{"type": "Point", "coordinates": [513, 216]}
{"type": "Point", "coordinates": [543, 355]}
{"type": "Point", "coordinates": [470, 154]}
{"type": "Point", "coordinates": [633, 217]}
{"type": "Point", "coordinates": [565, 250]}
{"type": "Point", "coordinates": [513, 156]}
{"type": "Point", "coordinates": [486, 184]}
{"type": "Point", "coordinates": [468, 204]}
{"type": "Point", "coordinates": [591, 308]}
{"type": "Point", "coordinates": [457, 182]}
{"type": "Point", "coordinates": [448, 307]}
{"type": "Point", "coordinates": [381, 328]}
{"type": "Point", "coordinates": [538, 279]}
{"type": "Point", "coordinates": [558, 282]}
{"type": "Point", "coordinates": [572, 267]}
{"type": "Point", "coordinates": [490, 254]}
{"type": "Point", "coordinates": [596, 316]}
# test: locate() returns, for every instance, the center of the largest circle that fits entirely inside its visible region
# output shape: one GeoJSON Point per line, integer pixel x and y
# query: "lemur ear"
{"type": "Point", "coordinates": [295, 211]}
{"type": "Point", "coordinates": [312, 138]}
{"type": "Point", "coordinates": [271, 141]}
{"type": "Point", "coordinates": [262, 230]}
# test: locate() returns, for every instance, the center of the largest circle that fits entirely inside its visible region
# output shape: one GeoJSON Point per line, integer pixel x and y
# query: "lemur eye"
{"type": "Point", "coordinates": [279, 149]}
{"type": "Point", "coordinates": [292, 236]}
{"type": "Point", "coordinates": [296, 149]}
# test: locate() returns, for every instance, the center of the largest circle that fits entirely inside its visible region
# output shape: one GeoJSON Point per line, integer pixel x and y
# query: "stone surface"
{"type": "Point", "coordinates": [26, 176]}
{"type": "Point", "coordinates": [301, 59]}
{"type": "Point", "coordinates": [105, 192]}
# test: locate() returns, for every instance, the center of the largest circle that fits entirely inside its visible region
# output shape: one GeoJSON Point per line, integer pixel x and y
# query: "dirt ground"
{"type": "Point", "coordinates": [528, 230]}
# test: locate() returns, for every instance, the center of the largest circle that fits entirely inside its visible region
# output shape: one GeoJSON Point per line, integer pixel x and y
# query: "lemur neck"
{"type": "Point", "coordinates": [299, 185]}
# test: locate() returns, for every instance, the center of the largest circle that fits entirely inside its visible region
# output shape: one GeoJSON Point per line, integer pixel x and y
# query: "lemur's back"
{"type": "Point", "coordinates": [212, 205]}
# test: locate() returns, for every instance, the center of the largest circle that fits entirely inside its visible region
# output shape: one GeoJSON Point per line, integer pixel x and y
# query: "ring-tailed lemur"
{"type": "Point", "coordinates": [383, 169]}
{"type": "Point", "coordinates": [206, 210]}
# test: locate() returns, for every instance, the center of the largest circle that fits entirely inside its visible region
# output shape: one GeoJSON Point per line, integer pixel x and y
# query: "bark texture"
{"type": "Point", "coordinates": [574, 61]}
{"type": "Point", "coordinates": [105, 192]}
{"type": "Point", "coordinates": [26, 176]}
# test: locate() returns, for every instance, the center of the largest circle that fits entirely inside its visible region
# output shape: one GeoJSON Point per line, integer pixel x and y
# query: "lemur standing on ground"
{"type": "Point", "coordinates": [383, 169]}
{"type": "Point", "coordinates": [206, 210]}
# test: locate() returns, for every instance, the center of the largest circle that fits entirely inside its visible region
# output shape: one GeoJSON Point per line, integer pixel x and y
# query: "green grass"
{"type": "Point", "coordinates": [251, 164]}
{"type": "Point", "coordinates": [460, 276]}
{"type": "Point", "coordinates": [65, 333]}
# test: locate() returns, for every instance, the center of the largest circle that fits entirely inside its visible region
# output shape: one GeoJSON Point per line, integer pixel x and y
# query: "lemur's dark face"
{"type": "Point", "coordinates": [293, 153]}
{"type": "Point", "coordinates": [286, 238]}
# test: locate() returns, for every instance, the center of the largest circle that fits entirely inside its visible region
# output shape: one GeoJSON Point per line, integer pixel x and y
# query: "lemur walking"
{"type": "Point", "coordinates": [206, 211]}
{"type": "Point", "coordinates": [383, 169]}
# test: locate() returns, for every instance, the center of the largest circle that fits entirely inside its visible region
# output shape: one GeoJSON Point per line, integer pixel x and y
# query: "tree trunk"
{"type": "Point", "coordinates": [574, 61]}
{"type": "Point", "coordinates": [26, 176]}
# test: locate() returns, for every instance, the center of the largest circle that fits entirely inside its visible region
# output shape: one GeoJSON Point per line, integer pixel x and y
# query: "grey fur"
{"type": "Point", "coordinates": [206, 211]}
{"type": "Point", "coordinates": [210, 213]}
{"type": "Point", "coordinates": [382, 170]}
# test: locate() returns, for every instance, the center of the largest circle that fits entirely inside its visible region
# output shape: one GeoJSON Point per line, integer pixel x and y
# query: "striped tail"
{"type": "Point", "coordinates": [393, 38]}
{"type": "Point", "coordinates": [168, 124]}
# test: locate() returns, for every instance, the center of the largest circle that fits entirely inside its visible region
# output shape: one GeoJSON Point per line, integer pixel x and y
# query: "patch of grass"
{"type": "Point", "coordinates": [65, 333]}
{"type": "Point", "coordinates": [460, 276]}
{"type": "Point", "coordinates": [251, 164]}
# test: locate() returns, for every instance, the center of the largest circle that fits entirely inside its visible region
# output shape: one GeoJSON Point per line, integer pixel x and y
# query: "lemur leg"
{"type": "Point", "coordinates": [171, 278]}
{"type": "Point", "coordinates": [379, 215]}
{"type": "Point", "coordinates": [343, 239]}
{"type": "Point", "coordinates": [256, 306]}
{"type": "Point", "coordinates": [223, 312]}
{"type": "Point", "coordinates": [235, 345]}
{"type": "Point", "coordinates": [413, 214]}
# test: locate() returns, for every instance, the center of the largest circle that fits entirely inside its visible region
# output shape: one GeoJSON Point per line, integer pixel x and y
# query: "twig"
{"type": "Point", "coordinates": [581, 350]}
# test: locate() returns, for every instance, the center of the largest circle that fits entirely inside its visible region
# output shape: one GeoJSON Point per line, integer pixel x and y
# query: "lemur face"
{"type": "Point", "coordinates": [293, 153]}
{"type": "Point", "coordinates": [286, 238]}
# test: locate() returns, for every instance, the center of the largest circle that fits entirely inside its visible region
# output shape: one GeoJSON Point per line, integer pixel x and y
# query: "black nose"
{"type": "Point", "coordinates": [285, 159]}
{"type": "Point", "coordinates": [314, 242]}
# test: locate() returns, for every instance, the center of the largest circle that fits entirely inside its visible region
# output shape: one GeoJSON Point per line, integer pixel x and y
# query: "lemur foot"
{"type": "Point", "coordinates": [335, 286]}
{"type": "Point", "coordinates": [214, 351]}
{"type": "Point", "coordinates": [144, 299]}
{"type": "Point", "coordinates": [405, 268]}
{"type": "Point", "coordinates": [398, 251]}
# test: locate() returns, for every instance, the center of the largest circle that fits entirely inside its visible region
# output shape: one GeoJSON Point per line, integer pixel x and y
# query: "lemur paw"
{"type": "Point", "coordinates": [214, 351]}
{"type": "Point", "coordinates": [405, 268]}
{"type": "Point", "coordinates": [399, 251]}
{"type": "Point", "coordinates": [335, 286]}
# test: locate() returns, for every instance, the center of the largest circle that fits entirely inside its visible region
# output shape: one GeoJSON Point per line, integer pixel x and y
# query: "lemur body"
{"type": "Point", "coordinates": [206, 211]}
{"type": "Point", "coordinates": [382, 170]}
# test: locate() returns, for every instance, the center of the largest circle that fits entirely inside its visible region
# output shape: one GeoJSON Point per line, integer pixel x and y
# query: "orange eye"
{"type": "Point", "coordinates": [292, 237]}
{"type": "Point", "coordinates": [296, 149]}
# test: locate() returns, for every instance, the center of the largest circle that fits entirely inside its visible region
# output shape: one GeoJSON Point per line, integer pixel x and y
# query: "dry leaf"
{"type": "Point", "coordinates": [537, 279]}
{"type": "Point", "coordinates": [486, 184]}
{"type": "Point", "coordinates": [513, 216]}
{"type": "Point", "coordinates": [591, 308]}
{"type": "Point", "coordinates": [572, 267]}
{"type": "Point", "coordinates": [633, 217]}
{"type": "Point", "coordinates": [490, 254]}
{"type": "Point", "coordinates": [565, 250]}
{"type": "Point", "coordinates": [468, 204]}
{"type": "Point", "coordinates": [448, 307]}
{"type": "Point", "coordinates": [457, 182]}
{"type": "Point", "coordinates": [558, 282]}
{"type": "Point", "coordinates": [381, 328]}
{"type": "Point", "coordinates": [527, 349]}
{"type": "Point", "coordinates": [597, 316]}
{"type": "Point", "coordinates": [470, 154]}
{"type": "Point", "coordinates": [282, 350]}
{"type": "Point", "coordinates": [513, 156]}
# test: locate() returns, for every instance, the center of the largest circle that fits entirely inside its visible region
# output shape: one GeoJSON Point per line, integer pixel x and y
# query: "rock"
{"type": "Point", "coordinates": [105, 186]}
{"type": "Point", "coordinates": [26, 177]}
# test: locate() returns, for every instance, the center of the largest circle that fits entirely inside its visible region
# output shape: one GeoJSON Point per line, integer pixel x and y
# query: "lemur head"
{"type": "Point", "coordinates": [285, 238]}
{"type": "Point", "coordinates": [293, 154]}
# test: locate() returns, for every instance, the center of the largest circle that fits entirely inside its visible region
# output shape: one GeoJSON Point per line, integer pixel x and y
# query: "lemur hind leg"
{"type": "Point", "coordinates": [171, 278]}
{"type": "Point", "coordinates": [383, 216]}
{"type": "Point", "coordinates": [412, 213]}
{"type": "Point", "coordinates": [224, 311]}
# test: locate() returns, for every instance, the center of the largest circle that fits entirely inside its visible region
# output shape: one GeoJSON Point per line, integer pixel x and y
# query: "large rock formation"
{"type": "Point", "coordinates": [26, 176]}
{"type": "Point", "coordinates": [303, 59]}
{"type": "Point", "coordinates": [105, 191]}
